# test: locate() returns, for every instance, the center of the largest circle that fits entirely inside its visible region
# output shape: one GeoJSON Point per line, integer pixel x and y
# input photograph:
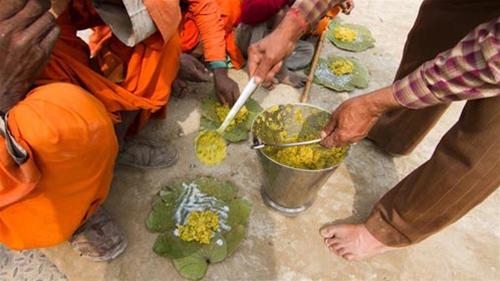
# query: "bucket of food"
{"type": "Point", "coordinates": [293, 174]}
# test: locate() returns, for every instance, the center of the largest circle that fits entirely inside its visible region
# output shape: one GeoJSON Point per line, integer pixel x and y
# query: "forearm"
{"type": "Point", "coordinates": [381, 101]}
{"type": "Point", "coordinates": [292, 27]}
{"type": "Point", "coordinates": [264, 56]}
{"type": "Point", "coordinates": [471, 70]}
{"type": "Point", "coordinates": [209, 21]}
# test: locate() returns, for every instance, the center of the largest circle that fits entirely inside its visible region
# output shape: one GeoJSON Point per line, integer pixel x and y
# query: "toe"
{"type": "Point", "coordinates": [349, 257]}
{"type": "Point", "coordinates": [337, 250]}
{"type": "Point", "coordinates": [328, 241]}
{"type": "Point", "coordinates": [328, 231]}
{"type": "Point", "coordinates": [337, 247]}
{"type": "Point", "coordinates": [332, 241]}
{"type": "Point", "coordinates": [332, 249]}
{"type": "Point", "coordinates": [342, 251]}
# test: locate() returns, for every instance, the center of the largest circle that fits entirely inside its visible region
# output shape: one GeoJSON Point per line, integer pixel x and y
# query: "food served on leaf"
{"type": "Point", "coordinates": [345, 34]}
{"type": "Point", "coordinates": [223, 110]}
{"type": "Point", "coordinates": [350, 37]}
{"type": "Point", "coordinates": [213, 114]}
{"type": "Point", "coordinates": [282, 124]}
{"type": "Point", "coordinates": [199, 222]}
{"type": "Point", "coordinates": [210, 147]}
{"type": "Point", "coordinates": [341, 67]}
{"type": "Point", "coordinates": [341, 74]}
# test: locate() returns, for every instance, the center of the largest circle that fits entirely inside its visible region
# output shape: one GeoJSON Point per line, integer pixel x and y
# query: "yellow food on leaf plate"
{"type": "Point", "coordinates": [345, 34]}
{"type": "Point", "coordinates": [210, 148]}
{"type": "Point", "coordinates": [200, 227]}
{"type": "Point", "coordinates": [223, 110]}
{"type": "Point", "coordinates": [342, 67]}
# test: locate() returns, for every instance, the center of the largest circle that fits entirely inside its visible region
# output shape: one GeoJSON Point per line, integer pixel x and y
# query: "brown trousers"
{"type": "Point", "coordinates": [465, 167]}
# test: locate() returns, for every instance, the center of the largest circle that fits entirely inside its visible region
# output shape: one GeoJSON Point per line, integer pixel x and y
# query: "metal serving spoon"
{"type": "Point", "coordinates": [258, 144]}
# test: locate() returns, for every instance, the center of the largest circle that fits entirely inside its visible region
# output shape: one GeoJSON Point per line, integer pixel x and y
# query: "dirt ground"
{"type": "Point", "coordinates": [280, 248]}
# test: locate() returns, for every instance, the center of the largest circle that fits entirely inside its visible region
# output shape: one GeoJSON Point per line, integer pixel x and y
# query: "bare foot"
{"type": "Point", "coordinates": [270, 85]}
{"type": "Point", "coordinates": [352, 241]}
{"type": "Point", "coordinates": [291, 78]}
{"type": "Point", "coordinates": [145, 154]}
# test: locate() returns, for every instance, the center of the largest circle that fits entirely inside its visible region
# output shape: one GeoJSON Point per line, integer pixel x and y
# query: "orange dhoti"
{"type": "Point", "coordinates": [66, 126]}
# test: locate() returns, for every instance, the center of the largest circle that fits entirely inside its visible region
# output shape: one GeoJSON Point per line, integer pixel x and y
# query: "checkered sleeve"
{"type": "Point", "coordinates": [313, 10]}
{"type": "Point", "coordinates": [470, 70]}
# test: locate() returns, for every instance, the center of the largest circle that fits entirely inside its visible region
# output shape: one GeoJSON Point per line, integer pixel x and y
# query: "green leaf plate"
{"type": "Point", "coordinates": [364, 40]}
{"type": "Point", "coordinates": [210, 121]}
{"type": "Point", "coordinates": [191, 259]}
{"type": "Point", "coordinates": [344, 83]}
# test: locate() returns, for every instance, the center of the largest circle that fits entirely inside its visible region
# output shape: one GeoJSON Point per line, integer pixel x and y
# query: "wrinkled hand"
{"type": "Point", "coordinates": [354, 118]}
{"type": "Point", "coordinates": [190, 70]}
{"type": "Point", "coordinates": [28, 33]}
{"type": "Point", "coordinates": [347, 6]}
{"type": "Point", "coordinates": [59, 6]}
{"type": "Point", "coordinates": [227, 90]}
{"type": "Point", "coordinates": [265, 56]}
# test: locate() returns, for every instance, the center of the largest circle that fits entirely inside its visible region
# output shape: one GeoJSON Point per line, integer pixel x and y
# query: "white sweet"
{"type": "Point", "coordinates": [192, 199]}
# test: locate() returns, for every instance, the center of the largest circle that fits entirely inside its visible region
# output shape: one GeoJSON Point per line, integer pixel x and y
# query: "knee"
{"type": "Point", "coordinates": [61, 116]}
{"type": "Point", "coordinates": [305, 48]}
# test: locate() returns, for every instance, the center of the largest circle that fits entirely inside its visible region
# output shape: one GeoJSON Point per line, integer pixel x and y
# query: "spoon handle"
{"type": "Point", "coordinates": [247, 92]}
{"type": "Point", "coordinates": [258, 144]}
{"type": "Point", "coordinates": [296, 143]}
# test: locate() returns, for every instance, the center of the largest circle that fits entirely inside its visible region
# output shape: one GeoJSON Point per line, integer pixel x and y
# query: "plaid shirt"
{"type": "Point", "coordinates": [313, 10]}
{"type": "Point", "coordinates": [470, 70]}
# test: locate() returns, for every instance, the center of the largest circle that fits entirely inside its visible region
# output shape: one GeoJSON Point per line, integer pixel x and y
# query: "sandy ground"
{"type": "Point", "coordinates": [280, 248]}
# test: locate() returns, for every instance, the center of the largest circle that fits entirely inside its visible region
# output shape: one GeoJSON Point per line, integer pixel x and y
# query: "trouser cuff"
{"type": "Point", "coordinates": [384, 232]}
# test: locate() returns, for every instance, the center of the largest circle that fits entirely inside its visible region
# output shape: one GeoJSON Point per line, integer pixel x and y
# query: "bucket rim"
{"type": "Point", "coordinates": [290, 167]}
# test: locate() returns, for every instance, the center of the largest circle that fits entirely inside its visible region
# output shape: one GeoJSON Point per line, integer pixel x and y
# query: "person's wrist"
{"type": "Point", "coordinates": [291, 28]}
{"type": "Point", "coordinates": [217, 64]}
{"type": "Point", "coordinates": [382, 101]}
{"type": "Point", "coordinates": [220, 71]}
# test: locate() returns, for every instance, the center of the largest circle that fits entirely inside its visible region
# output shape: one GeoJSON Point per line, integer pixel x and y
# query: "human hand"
{"type": "Point", "coordinates": [347, 6]}
{"type": "Point", "coordinates": [28, 35]}
{"type": "Point", "coordinates": [59, 6]}
{"type": "Point", "coordinates": [192, 70]}
{"type": "Point", "coordinates": [227, 90]}
{"type": "Point", "coordinates": [354, 118]}
{"type": "Point", "coordinates": [265, 56]}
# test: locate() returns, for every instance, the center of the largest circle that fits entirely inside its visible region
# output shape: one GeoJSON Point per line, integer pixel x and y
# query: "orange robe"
{"type": "Point", "coordinates": [325, 21]}
{"type": "Point", "coordinates": [212, 23]}
{"type": "Point", "coordinates": [66, 125]}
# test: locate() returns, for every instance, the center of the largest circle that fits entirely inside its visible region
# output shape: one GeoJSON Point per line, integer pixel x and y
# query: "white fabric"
{"type": "Point", "coordinates": [129, 20]}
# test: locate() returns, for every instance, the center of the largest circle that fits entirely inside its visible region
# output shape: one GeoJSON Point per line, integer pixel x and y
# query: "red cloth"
{"type": "Point", "coordinates": [254, 12]}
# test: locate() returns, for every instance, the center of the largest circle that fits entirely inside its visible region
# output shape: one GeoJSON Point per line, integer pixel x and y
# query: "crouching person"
{"type": "Point", "coordinates": [64, 117]}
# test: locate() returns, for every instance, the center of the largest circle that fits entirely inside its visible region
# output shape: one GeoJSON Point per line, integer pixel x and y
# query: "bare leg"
{"type": "Point", "coordinates": [300, 58]}
{"type": "Point", "coordinates": [291, 78]}
{"type": "Point", "coordinates": [121, 128]}
{"type": "Point", "coordinates": [462, 172]}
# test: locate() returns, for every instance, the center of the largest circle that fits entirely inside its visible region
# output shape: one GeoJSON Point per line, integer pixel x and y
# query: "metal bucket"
{"type": "Point", "coordinates": [287, 189]}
